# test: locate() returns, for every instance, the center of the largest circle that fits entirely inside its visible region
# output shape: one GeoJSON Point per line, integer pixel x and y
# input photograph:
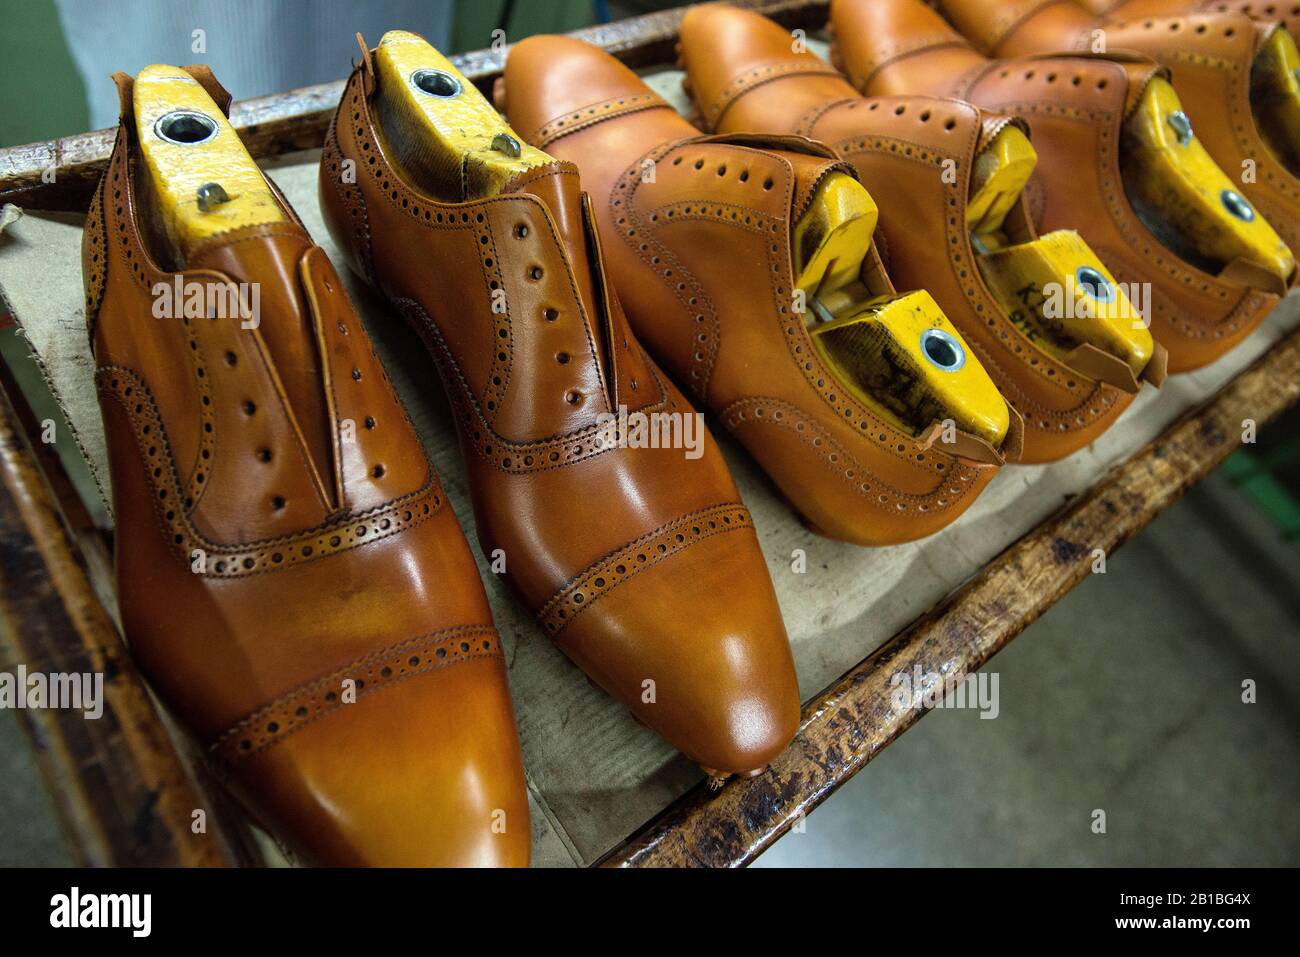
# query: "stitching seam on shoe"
{"type": "Point", "coordinates": [761, 410]}
{"type": "Point", "coordinates": [593, 114]}
{"type": "Point", "coordinates": [606, 574]}
{"type": "Point", "coordinates": [251, 558]}
{"type": "Point", "coordinates": [373, 673]}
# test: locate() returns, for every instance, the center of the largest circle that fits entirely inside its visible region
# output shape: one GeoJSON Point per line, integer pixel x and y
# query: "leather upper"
{"type": "Point", "coordinates": [700, 252]}
{"type": "Point", "coordinates": [282, 543]}
{"type": "Point", "coordinates": [1076, 107]}
{"type": "Point", "coordinates": [1266, 11]}
{"type": "Point", "coordinates": [1209, 55]}
{"type": "Point", "coordinates": [744, 74]}
{"type": "Point", "coordinates": [641, 563]}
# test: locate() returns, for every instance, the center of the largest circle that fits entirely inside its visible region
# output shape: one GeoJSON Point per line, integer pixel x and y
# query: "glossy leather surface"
{"type": "Point", "coordinates": [1265, 11]}
{"type": "Point", "coordinates": [1209, 56]}
{"type": "Point", "coordinates": [641, 564]}
{"type": "Point", "coordinates": [744, 75]}
{"type": "Point", "coordinates": [283, 542]}
{"type": "Point", "coordinates": [700, 253]}
{"type": "Point", "coordinates": [1076, 107]}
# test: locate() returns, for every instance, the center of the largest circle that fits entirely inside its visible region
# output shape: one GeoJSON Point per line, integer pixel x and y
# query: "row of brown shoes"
{"type": "Point", "coordinates": [334, 650]}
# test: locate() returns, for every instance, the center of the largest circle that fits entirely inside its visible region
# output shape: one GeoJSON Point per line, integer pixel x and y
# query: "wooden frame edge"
{"type": "Point", "coordinates": [117, 781]}
{"type": "Point", "coordinates": [852, 721]}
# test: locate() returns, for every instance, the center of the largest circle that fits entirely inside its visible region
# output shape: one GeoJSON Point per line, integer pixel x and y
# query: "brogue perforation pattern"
{"type": "Point", "coordinates": [96, 257]}
{"type": "Point", "coordinates": [687, 289]}
{"type": "Point", "coordinates": [1191, 325]}
{"type": "Point", "coordinates": [590, 115]}
{"type": "Point", "coordinates": [951, 490]}
{"type": "Point", "coordinates": [757, 76]}
{"type": "Point", "coordinates": [235, 561]}
{"type": "Point", "coordinates": [202, 467]}
{"type": "Point", "coordinates": [353, 202]}
{"type": "Point", "coordinates": [506, 455]}
{"type": "Point", "coordinates": [1288, 13]}
{"type": "Point", "coordinates": [1239, 108]}
{"type": "Point", "coordinates": [638, 231]}
{"type": "Point", "coordinates": [602, 577]}
{"type": "Point", "coordinates": [372, 674]}
{"type": "Point", "coordinates": [1093, 401]}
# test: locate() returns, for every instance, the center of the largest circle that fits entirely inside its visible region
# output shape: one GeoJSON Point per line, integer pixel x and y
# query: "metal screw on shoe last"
{"type": "Point", "coordinates": [504, 143]}
{"type": "Point", "coordinates": [212, 195]}
{"type": "Point", "coordinates": [1236, 204]}
{"type": "Point", "coordinates": [1182, 126]}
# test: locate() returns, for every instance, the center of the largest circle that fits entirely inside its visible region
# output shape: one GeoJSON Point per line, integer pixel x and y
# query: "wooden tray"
{"type": "Point", "coordinates": [603, 790]}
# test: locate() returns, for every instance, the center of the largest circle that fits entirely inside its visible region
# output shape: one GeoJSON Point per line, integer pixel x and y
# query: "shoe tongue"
{"type": "Point", "coordinates": [558, 187]}
{"type": "Point", "coordinates": [269, 256]}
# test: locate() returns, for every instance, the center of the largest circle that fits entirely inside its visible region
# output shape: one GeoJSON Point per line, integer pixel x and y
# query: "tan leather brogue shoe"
{"type": "Point", "coordinates": [747, 266]}
{"type": "Point", "coordinates": [291, 578]}
{"type": "Point", "coordinates": [950, 178]}
{"type": "Point", "coordinates": [592, 476]}
{"type": "Point", "coordinates": [1149, 200]}
{"type": "Point", "coordinates": [1235, 76]}
{"type": "Point", "coordinates": [1264, 11]}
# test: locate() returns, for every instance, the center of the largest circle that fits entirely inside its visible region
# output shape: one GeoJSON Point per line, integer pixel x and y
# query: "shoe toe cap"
{"type": "Point", "coordinates": [423, 772]}
{"type": "Point", "coordinates": [696, 649]}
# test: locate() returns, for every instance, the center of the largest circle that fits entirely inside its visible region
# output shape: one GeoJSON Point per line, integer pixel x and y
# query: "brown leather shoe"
{"type": "Point", "coordinates": [1263, 11]}
{"type": "Point", "coordinates": [1218, 63]}
{"type": "Point", "coordinates": [291, 577]}
{"type": "Point", "coordinates": [638, 558]}
{"type": "Point", "coordinates": [745, 75]}
{"type": "Point", "coordinates": [701, 252]}
{"type": "Point", "coordinates": [1212, 277]}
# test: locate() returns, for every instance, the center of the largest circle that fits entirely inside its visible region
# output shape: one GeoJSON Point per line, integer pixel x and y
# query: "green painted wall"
{"type": "Point", "coordinates": [45, 98]}
{"type": "Point", "coordinates": [476, 19]}
{"type": "Point", "coordinates": [43, 93]}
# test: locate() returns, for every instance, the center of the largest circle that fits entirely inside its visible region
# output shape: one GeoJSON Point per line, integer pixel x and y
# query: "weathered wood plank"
{"type": "Point", "coordinates": [117, 781]}
{"type": "Point", "coordinates": [851, 722]}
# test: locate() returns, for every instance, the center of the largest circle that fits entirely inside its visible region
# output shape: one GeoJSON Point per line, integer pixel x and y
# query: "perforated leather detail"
{"type": "Point", "coordinates": [1141, 243]}
{"type": "Point", "coordinates": [954, 480]}
{"type": "Point", "coordinates": [202, 467]}
{"type": "Point", "coordinates": [593, 114]}
{"type": "Point", "coordinates": [370, 675]}
{"type": "Point", "coordinates": [1199, 30]}
{"type": "Point", "coordinates": [1093, 403]}
{"type": "Point", "coordinates": [438, 215]}
{"type": "Point", "coordinates": [712, 111]}
{"type": "Point", "coordinates": [94, 256]}
{"type": "Point", "coordinates": [1289, 13]}
{"type": "Point", "coordinates": [506, 455]}
{"type": "Point", "coordinates": [613, 570]}
{"type": "Point", "coordinates": [354, 204]}
{"type": "Point", "coordinates": [637, 227]}
{"type": "Point", "coordinates": [687, 289]}
{"type": "Point", "coordinates": [222, 560]}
